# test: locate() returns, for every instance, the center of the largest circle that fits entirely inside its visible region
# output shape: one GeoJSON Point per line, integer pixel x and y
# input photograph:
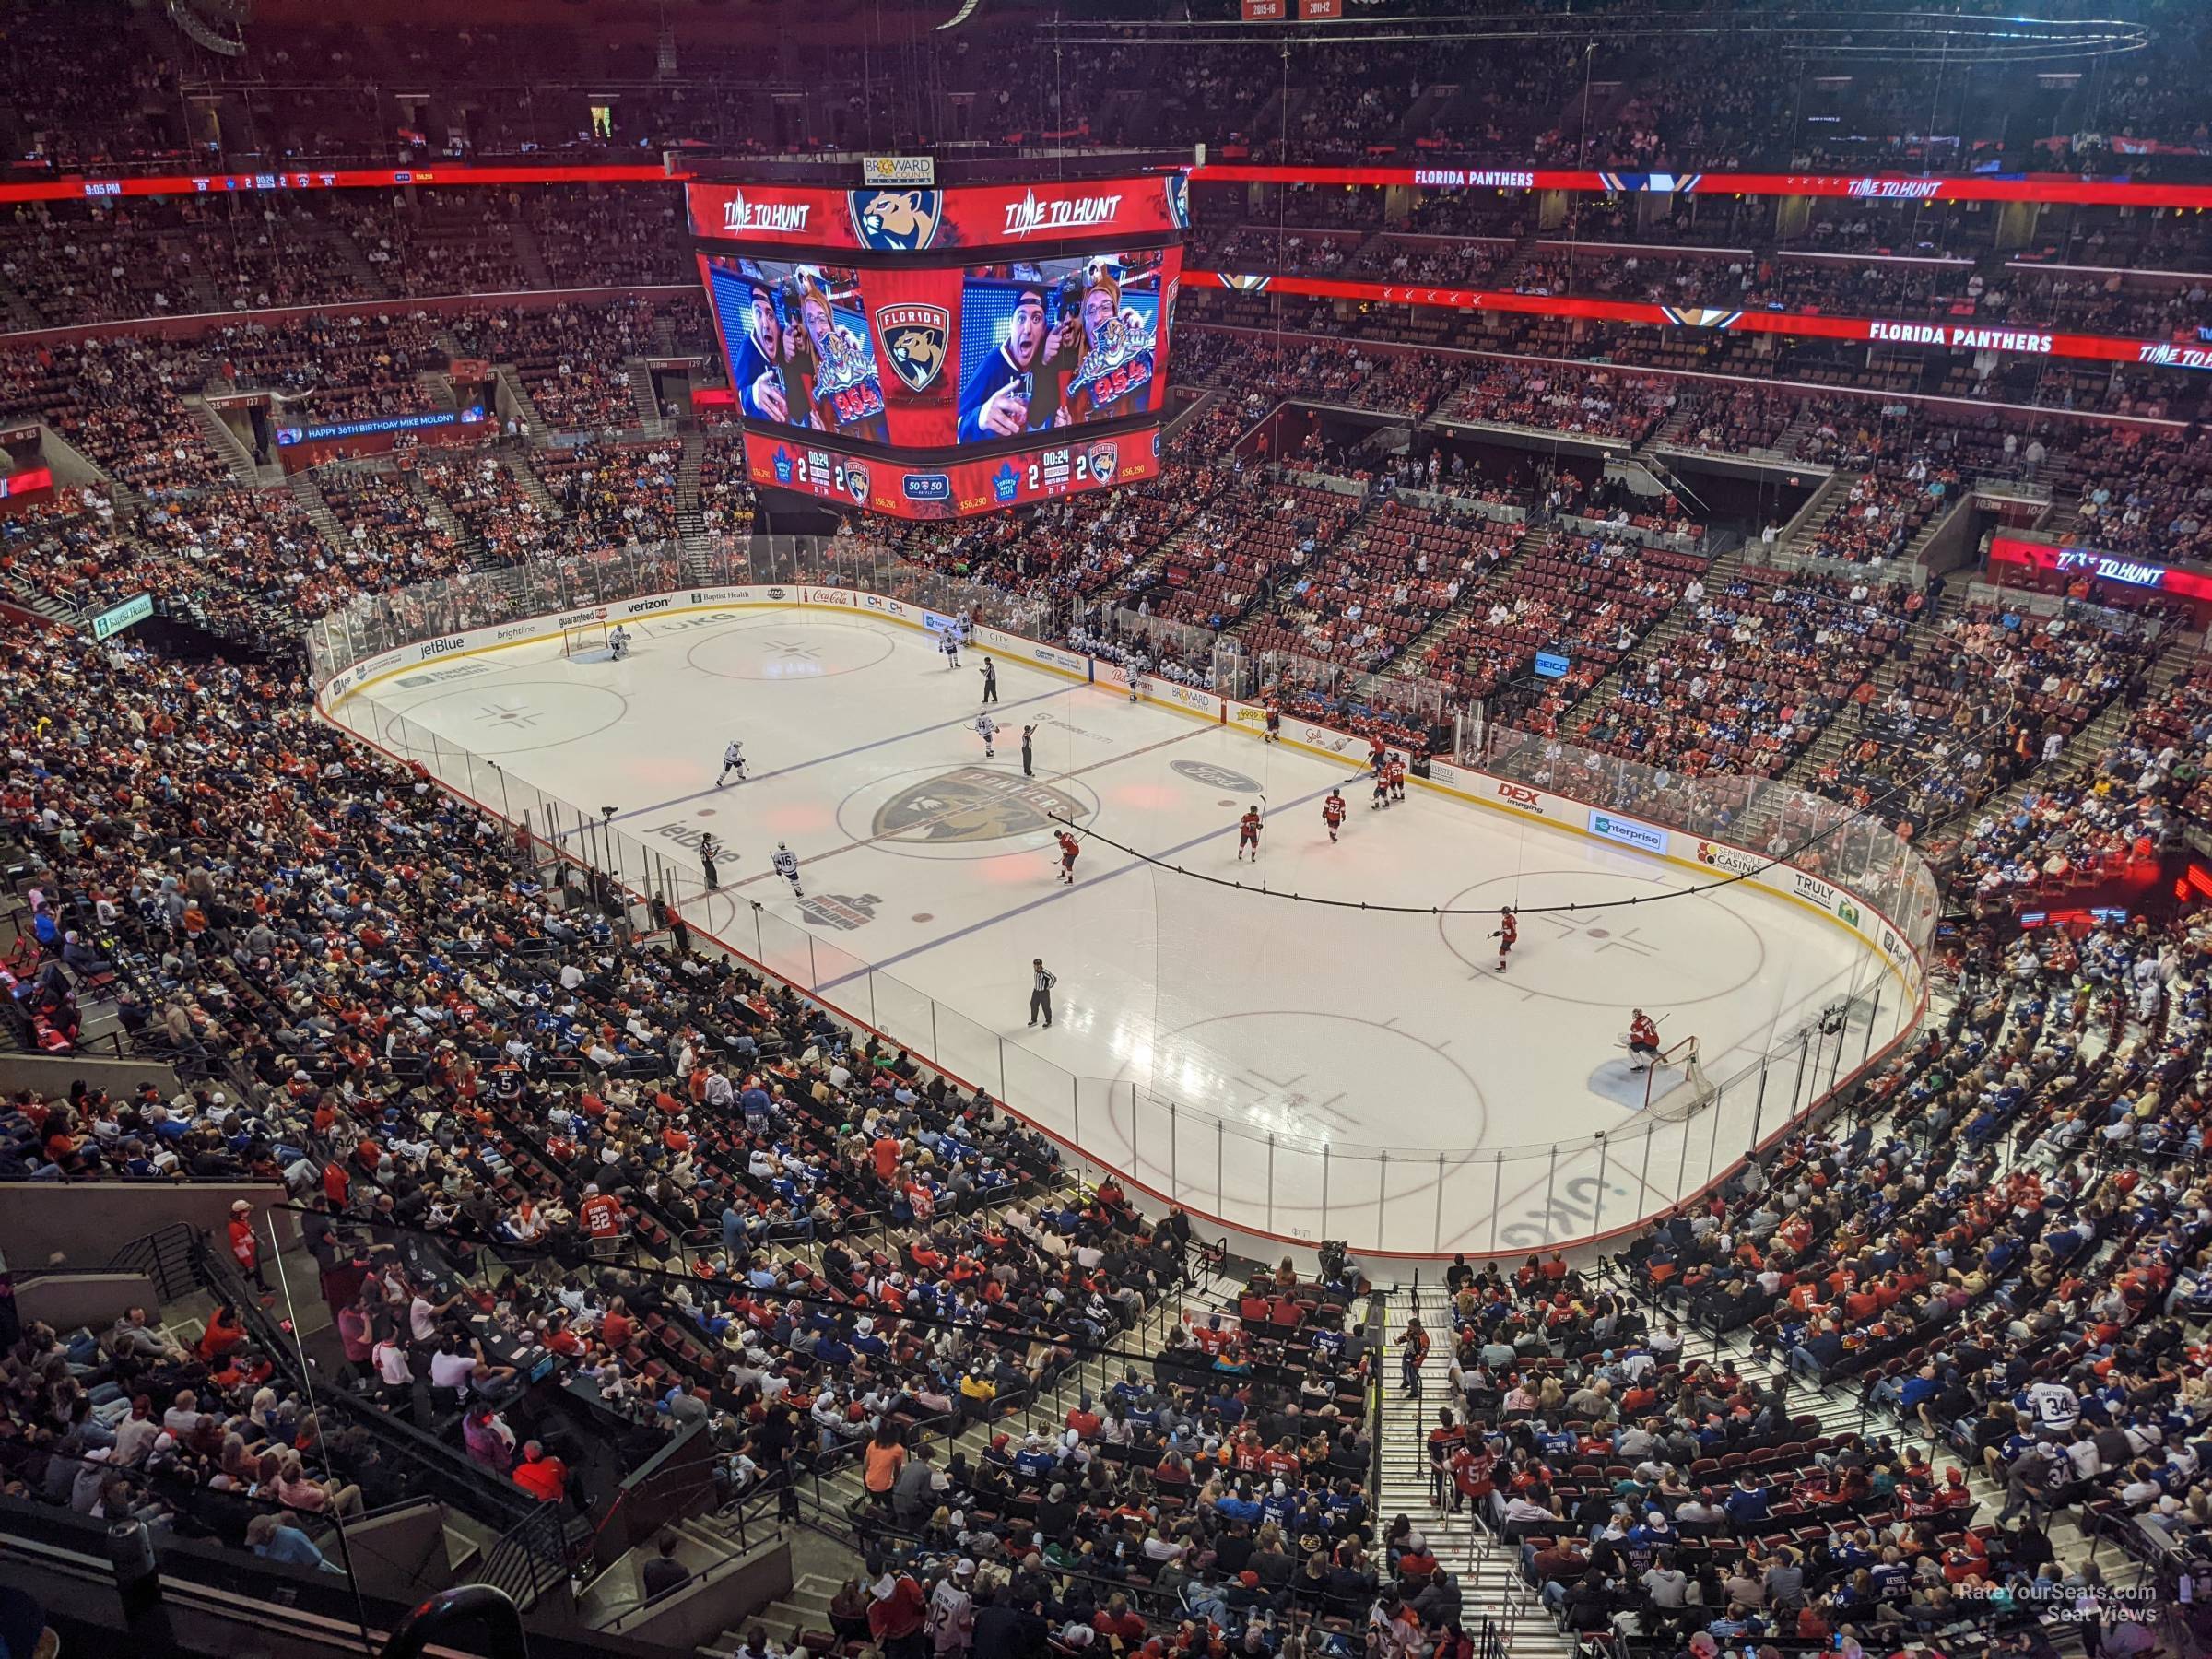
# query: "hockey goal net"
{"type": "Point", "coordinates": [583, 639]}
{"type": "Point", "coordinates": [1675, 1087]}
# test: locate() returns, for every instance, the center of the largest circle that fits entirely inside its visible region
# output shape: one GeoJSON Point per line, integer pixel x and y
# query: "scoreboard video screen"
{"type": "Point", "coordinates": [930, 353]}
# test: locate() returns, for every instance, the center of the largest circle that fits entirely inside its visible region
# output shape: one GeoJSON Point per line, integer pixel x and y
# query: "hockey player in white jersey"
{"type": "Point", "coordinates": [987, 729]}
{"type": "Point", "coordinates": [786, 864]}
{"type": "Point", "coordinates": [732, 761]}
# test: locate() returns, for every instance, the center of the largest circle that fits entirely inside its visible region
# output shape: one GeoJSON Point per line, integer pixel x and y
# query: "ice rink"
{"type": "Point", "coordinates": [1251, 1056]}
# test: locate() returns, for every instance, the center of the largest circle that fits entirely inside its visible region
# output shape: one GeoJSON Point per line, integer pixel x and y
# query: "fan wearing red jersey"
{"type": "Point", "coordinates": [1248, 835]}
{"type": "Point", "coordinates": [1332, 813]}
{"type": "Point", "coordinates": [1507, 933]}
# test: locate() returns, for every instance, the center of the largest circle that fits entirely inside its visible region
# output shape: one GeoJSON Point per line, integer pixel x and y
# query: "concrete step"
{"type": "Point", "coordinates": [517, 401]}
{"type": "Point", "coordinates": [223, 441]}
{"type": "Point", "coordinates": [642, 397]}
{"type": "Point", "coordinates": [531, 257]}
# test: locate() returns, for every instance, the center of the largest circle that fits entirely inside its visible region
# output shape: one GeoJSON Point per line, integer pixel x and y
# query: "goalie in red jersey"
{"type": "Point", "coordinates": [1643, 1040]}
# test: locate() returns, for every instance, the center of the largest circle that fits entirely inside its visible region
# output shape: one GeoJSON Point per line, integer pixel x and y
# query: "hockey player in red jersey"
{"type": "Point", "coordinates": [1643, 1040]}
{"type": "Point", "coordinates": [1069, 847]}
{"type": "Point", "coordinates": [1508, 933]}
{"type": "Point", "coordinates": [1394, 773]}
{"type": "Point", "coordinates": [1332, 813]}
{"type": "Point", "coordinates": [1248, 835]}
{"type": "Point", "coordinates": [1382, 787]}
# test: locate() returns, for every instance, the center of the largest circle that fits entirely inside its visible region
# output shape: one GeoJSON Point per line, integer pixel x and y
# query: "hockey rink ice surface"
{"type": "Point", "coordinates": [930, 881]}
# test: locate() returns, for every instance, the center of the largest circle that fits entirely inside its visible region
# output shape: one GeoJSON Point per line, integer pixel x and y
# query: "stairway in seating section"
{"type": "Point", "coordinates": [644, 400]}
{"type": "Point", "coordinates": [1841, 1410]}
{"type": "Point", "coordinates": [516, 461]}
{"type": "Point", "coordinates": [1488, 1570]}
{"type": "Point", "coordinates": [2177, 659]}
{"type": "Point", "coordinates": [1801, 423]}
{"type": "Point", "coordinates": [691, 466]}
{"type": "Point", "coordinates": [519, 404]}
{"type": "Point", "coordinates": [1798, 536]}
{"type": "Point", "coordinates": [804, 1606]}
{"type": "Point", "coordinates": [829, 1503]}
{"type": "Point", "coordinates": [1670, 627]}
{"type": "Point", "coordinates": [1409, 662]}
{"type": "Point", "coordinates": [223, 442]}
{"type": "Point", "coordinates": [1843, 731]}
{"type": "Point", "coordinates": [440, 511]}
{"type": "Point", "coordinates": [336, 238]}
{"type": "Point", "coordinates": [531, 256]}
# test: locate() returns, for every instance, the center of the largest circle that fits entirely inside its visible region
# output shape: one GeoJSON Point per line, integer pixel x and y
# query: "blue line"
{"type": "Point", "coordinates": [1056, 894]}
{"type": "Point", "coordinates": [858, 748]}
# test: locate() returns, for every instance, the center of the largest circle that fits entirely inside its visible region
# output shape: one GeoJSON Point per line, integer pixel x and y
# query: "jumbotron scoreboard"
{"type": "Point", "coordinates": [932, 351]}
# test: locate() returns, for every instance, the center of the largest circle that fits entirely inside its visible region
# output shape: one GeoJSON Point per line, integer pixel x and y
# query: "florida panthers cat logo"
{"type": "Point", "coordinates": [914, 339]}
{"type": "Point", "coordinates": [897, 221]}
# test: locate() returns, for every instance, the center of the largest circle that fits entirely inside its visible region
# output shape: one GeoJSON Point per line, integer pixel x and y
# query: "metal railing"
{"type": "Point", "coordinates": [529, 1559]}
{"type": "Point", "coordinates": [170, 1256]}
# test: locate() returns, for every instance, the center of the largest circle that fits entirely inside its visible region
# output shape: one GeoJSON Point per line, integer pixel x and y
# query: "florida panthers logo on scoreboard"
{"type": "Point", "coordinates": [897, 221]}
{"type": "Point", "coordinates": [914, 338]}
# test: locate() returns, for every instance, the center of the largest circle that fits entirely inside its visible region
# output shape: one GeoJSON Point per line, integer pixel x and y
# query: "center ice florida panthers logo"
{"type": "Point", "coordinates": [897, 221]}
{"type": "Point", "coordinates": [972, 804]}
{"type": "Point", "coordinates": [913, 340]}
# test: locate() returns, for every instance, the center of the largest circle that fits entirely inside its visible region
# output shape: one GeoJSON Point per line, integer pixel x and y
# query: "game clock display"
{"type": "Point", "coordinates": [986, 484]}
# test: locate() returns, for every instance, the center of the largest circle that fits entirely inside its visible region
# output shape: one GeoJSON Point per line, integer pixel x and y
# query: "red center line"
{"type": "Point", "coordinates": [904, 829]}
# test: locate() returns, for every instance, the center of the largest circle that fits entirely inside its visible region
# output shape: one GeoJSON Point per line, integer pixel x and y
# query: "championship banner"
{"type": "Point", "coordinates": [2004, 338]}
{"type": "Point", "coordinates": [902, 219]}
{"type": "Point", "coordinates": [988, 484]}
{"type": "Point", "coordinates": [2063, 188]}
